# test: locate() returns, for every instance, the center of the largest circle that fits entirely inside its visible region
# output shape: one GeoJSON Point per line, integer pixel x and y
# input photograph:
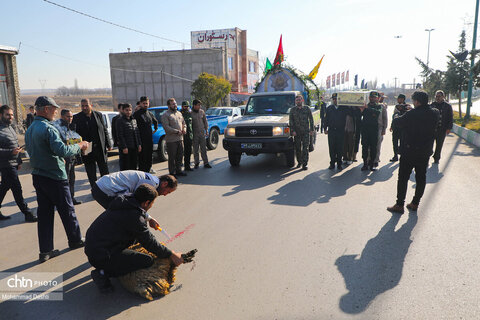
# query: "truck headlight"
{"type": "Point", "coordinates": [280, 131]}
{"type": "Point", "coordinates": [230, 132]}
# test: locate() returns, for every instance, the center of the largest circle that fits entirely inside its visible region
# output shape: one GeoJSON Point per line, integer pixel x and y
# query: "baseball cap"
{"type": "Point", "coordinates": [44, 101]}
{"type": "Point", "coordinates": [185, 103]}
{"type": "Point", "coordinates": [374, 94]}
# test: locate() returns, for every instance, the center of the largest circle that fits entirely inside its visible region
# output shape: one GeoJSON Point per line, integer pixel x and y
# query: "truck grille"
{"type": "Point", "coordinates": [253, 132]}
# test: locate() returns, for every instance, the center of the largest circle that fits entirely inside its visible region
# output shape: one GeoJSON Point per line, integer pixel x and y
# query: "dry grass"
{"type": "Point", "coordinates": [473, 123]}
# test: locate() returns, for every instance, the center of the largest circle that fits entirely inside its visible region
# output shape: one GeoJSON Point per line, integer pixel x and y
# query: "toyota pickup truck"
{"type": "Point", "coordinates": [264, 128]}
{"type": "Point", "coordinates": [216, 126]}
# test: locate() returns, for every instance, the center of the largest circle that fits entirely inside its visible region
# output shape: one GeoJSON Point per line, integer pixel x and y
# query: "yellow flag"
{"type": "Point", "coordinates": [314, 72]}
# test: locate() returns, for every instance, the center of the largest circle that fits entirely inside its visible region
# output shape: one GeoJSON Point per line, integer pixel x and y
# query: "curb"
{"type": "Point", "coordinates": [468, 135]}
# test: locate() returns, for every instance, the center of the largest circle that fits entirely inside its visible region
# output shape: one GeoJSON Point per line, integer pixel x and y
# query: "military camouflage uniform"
{"type": "Point", "coordinates": [187, 138]}
{"type": "Point", "coordinates": [301, 122]}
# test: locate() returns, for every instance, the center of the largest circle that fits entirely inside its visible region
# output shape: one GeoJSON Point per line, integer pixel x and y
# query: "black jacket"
{"type": "Point", "coordinates": [29, 119]}
{"type": "Point", "coordinates": [114, 130]}
{"type": "Point", "coordinates": [81, 126]}
{"type": "Point", "coordinates": [8, 142]}
{"type": "Point", "coordinates": [418, 131]}
{"type": "Point", "coordinates": [335, 118]}
{"type": "Point", "coordinates": [145, 120]}
{"type": "Point", "coordinates": [127, 133]}
{"type": "Point", "coordinates": [120, 226]}
{"type": "Point", "coordinates": [446, 115]}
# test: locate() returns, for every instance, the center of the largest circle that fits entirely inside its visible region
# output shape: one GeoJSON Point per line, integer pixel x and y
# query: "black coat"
{"type": "Point", "coordinates": [418, 131]}
{"type": "Point", "coordinates": [335, 118]}
{"type": "Point", "coordinates": [145, 120]}
{"type": "Point", "coordinates": [446, 115]}
{"type": "Point", "coordinates": [120, 226]}
{"type": "Point", "coordinates": [80, 122]}
{"type": "Point", "coordinates": [127, 133]}
{"type": "Point", "coordinates": [8, 142]}
{"type": "Point", "coordinates": [114, 130]}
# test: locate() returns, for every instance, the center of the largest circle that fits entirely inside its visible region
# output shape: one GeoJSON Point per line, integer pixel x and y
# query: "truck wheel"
{"type": "Point", "coordinates": [234, 158]}
{"type": "Point", "coordinates": [162, 150]}
{"type": "Point", "coordinates": [212, 140]}
{"type": "Point", "coordinates": [290, 157]}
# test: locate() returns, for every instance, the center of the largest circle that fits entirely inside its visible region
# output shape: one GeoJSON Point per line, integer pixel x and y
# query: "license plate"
{"type": "Point", "coordinates": [251, 146]}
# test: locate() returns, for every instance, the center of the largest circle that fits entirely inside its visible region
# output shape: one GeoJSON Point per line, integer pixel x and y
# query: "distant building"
{"type": "Point", "coordinates": [9, 88]}
{"type": "Point", "coordinates": [169, 74]}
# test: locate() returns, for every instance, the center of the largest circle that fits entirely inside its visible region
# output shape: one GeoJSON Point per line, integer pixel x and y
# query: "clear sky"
{"type": "Point", "coordinates": [355, 35]}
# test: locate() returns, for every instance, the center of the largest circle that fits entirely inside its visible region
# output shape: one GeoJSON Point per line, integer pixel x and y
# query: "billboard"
{"type": "Point", "coordinates": [214, 38]}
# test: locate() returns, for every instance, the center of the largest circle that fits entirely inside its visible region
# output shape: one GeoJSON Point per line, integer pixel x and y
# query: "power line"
{"type": "Point", "coordinates": [114, 24]}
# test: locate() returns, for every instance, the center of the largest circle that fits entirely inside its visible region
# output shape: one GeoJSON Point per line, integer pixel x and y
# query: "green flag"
{"type": "Point", "coordinates": [268, 65]}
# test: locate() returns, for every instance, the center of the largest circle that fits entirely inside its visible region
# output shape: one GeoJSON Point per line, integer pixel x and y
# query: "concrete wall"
{"type": "Point", "coordinates": [139, 74]}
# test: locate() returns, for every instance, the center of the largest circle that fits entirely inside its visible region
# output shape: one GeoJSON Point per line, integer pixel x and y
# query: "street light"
{"type": "Point", "coordinates": [428, 51]}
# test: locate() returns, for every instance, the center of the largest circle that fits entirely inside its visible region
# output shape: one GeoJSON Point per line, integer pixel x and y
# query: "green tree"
{"type": "Point", "coordinates": [433, 79]}
{"type": "Point", "coordinates": [210, 89]}
{"type": "Point", "coordinates": [456, 76]}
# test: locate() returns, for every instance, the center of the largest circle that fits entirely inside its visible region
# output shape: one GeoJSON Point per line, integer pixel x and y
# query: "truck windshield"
{"type": "Point", "coordinates": [274, 104]}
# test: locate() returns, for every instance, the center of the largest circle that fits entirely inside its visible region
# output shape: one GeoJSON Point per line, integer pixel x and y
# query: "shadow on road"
{"type": "Point", "coordinates": [379, 267]}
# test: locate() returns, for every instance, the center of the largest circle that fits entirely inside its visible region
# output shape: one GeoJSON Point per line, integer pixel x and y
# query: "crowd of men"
{"type": "Point", "coordinates": [55, 147]}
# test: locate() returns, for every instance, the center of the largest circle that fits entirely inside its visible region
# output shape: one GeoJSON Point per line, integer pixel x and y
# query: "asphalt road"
{"type": "Point", "coordinates": [278, 243]}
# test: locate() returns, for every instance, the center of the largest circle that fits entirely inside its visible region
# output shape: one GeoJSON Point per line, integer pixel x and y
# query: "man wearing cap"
{"type": "Point", "coordinates": [188, 136]}
{"type": "Point", "coordinates": [126, 182]}
{"type": "Point", "coordinates": [47, 152]}
{"type": "Point", "coordinates": [400, 109]}
{"type": "Point", "coordinates": [10, 163]}
{"type": "Point", "coordinates": [370, 114]}
{"type": "Point", "coordinates": [145, 121]}
{"type": "Point", "coordinates": [302, 128]}
{"type": "Point", "coordinates": [418, 132]}
{"type": "Point", "coordinates": [335, 120]}
{"type": "Point", "coordinates": [90, 126]}
{"type": "Point", "coordinates": [444, 125]}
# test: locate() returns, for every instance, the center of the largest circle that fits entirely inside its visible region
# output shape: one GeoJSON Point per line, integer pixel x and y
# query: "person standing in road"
{"type": "Point", "coordinates": [30, 116]}
{"type": "Point", "coordinates": [416, 146]}
{"type": "Point", "coordinates": [335, 128]}
{"type": "Point", "coordinates": [47, 152]}
{"type": "Point", "coordinates": [10, 163]}
{"type": "Point", "coordinates": [114, 125]}
{"type": "Point", "coordinates": [399, 110]}
{"type": "Point", "coordinates": [382, 127]}
{"type": "Point", "coordinates": [129, 141]}
{"type": "Point", "coordinates": [370, 115]}
{"type": "Point", "coordinates": [323, 110]}
{"type": "Point", "coordinates": [200, 132]}
{"type": "Point", "coordinates": [69, 137]}
{"type": "Point", "coordinates": [90, 126]}
{"type": "Point", "coordinates": [188, 136]}
{"type": "Point", "coordinates": [145, 121]}
{"type": "Point", "coordinates": [175, 128]}
{"type": "Point", "coordinates": [301, 126]}
{"type": "Point", "coordinates": [349, 153]}
{"type": "Point", "coordinates": [444, 125]}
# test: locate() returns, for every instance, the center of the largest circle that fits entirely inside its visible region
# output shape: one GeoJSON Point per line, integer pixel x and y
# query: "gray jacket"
{"type": "Point", "coordinates": [199, 123]}
{"type": "Point", "coordinates": [8, 142]}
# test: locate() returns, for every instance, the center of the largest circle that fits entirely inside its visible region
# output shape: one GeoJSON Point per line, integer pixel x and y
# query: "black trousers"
{"type": "Point", "coordinates": [128, 161]}
{"type": "Point", "coordinates": [101, 197]}
{"type": "Point", "coordinates": [10, 181]}
{"type": "Point", "coordinates": [145, 157]}
{"type": "Point", "coordinates": [335, 145]}
{"type": "Point", "coordinates": [175, 155]}
{"type": "Point", "coordinates": [187, 151]}
{"type": "Point", "coordinates": [70, 168]}
{"type": "Point", "coordinates": [50, 194]}
{"type": "Point", "coordinates": [439, 139]}
{"type": "Point", "coordinates": [369, 144]}
{"type": "Point", "coordinates": [396, 134]}
{"type": "Point", "coordinates": [322, 125]}
{"type": "Point", "coordinates": [123, 263]}
{"type": "Point", "coordinates": [407, 164]}
{"type": "Point", "coordinates": [96, 157]}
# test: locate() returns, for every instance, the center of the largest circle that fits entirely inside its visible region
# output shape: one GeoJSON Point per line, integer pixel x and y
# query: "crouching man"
{"type": "Point", "coordinates": [121, 225]}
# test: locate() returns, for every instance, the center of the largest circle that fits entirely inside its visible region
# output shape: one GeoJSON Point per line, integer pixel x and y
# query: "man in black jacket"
{"type": "Point", "coordinates": [90, 126]}
{"type": "Point", "coordinates": [128, 137]}
{"type": "Point", "coordinates": [416, 146]}
{"type": "Point", "coordinates": [120, 226]}
{"type": "Point", "coordinates": [323, 109]}
{"type": "Point", "coordinates": [10, 163]}
{"type": "Point", "coordinates": [145, 120]}
{"type": "Point", "coordinates": [114, 126]}
{"type": "Point", "coordinates": [335, 128]}
{"type": "Point", "coordinates": [444, 125]}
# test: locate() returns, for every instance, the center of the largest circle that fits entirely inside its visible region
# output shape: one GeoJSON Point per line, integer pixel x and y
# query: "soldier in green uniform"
{"type": "Point", "coordinates": [370, 115]}
{"type": "Point", "coordinates": [188, 137]}
{"type": "Point", "coordinates": [301, 127]}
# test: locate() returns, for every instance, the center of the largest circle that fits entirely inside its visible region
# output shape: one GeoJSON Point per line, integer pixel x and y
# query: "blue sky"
{"type": "Point", "coordinates": [355, 35]}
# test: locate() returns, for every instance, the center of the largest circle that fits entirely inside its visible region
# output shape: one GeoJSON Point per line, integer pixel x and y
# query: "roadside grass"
{"type": "Point", "coordinates": [473, 123]}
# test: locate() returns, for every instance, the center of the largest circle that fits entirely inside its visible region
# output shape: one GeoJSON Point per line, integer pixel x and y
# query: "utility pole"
{"type": "Point", "coordinates": [428, 50]}
{"type": "Point", "coordinates": [42, 84]}
{"type": "Point", "coordinates": [472, 63]}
